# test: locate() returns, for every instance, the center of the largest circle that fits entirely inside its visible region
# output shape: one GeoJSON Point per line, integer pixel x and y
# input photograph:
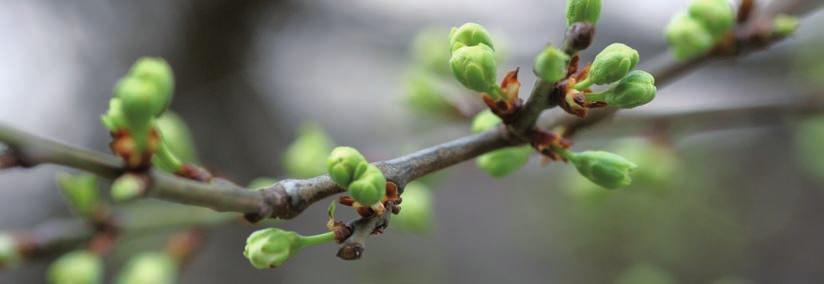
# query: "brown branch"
{"type": "Point", "coordinates": [285, 199]}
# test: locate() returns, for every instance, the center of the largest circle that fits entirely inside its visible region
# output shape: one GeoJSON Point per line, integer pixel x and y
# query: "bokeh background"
{"type": "Point", "coordinates": [739, 207]}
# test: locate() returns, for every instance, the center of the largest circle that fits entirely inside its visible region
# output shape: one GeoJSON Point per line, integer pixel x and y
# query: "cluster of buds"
{"type": "Point", "coordinates": [144, 133]}
{"type": "Point", "coordinates": [139, 98]}
{"type": "Point", "coordinates": [474, 65]}
{"type": "Point", "coordinates": [614, 64]}
{"type": "Point", "coordinates": [695, 32]}
{"type": "Point", "coordinates": [499, 163]}
{"type": "Point", "coordinates": [271, 247]}
{"type": "Point", "coordinates": [363, 181]}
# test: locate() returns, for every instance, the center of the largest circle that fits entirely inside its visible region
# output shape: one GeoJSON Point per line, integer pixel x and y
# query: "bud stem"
{"type": "Point", "coordinates": [496, 94]}
{"type": "Point", "coordinates": [307, 241]}
{"type": "Point", "coordinates": [597, 97]}
{"type": "Point", "coordinates": [166, 160]}
{"type": "Point", "coordinates": [586, 83]}
{"type": "Point", "coordinates": [567, 154]}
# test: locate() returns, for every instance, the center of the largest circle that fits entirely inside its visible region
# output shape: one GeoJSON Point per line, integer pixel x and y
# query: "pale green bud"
{"type": "Point", "coordinates": [551, 64]}
{"type": "Point", "coordinates": [422, 93]}
{"type": "Point", "coordinates": [156, 71]}
{"type": "Point", "coordinates": [306, 156]}
{"type": "Point", "coordinates": [81, 192]}
{"type": "Point", "coordinates": [484, 121]}
{"type": "Point", "coordinates": [177, 137]}
{"type": "Point", "coordinates": [270, 248]}
{"type": "Point", "coordinates": [470, 34]}
{"type": "Point", "coordinates": [9, 254]}
{"type": "Point", "coordinates": [136, 101]}
{"type": "Point", "coordinates": [603, 168]}
{"type": "Point", "coordinates": [475, 68]}
{"type": "Point", "coordinates": [583, 11]}
{"type": "Point", "coordinates": [430, 49]}
{"type": "Point", "coordinates": [369, 186]}
{"type": "Point", "coordinates": [717, 16]}
{"type": "Point", "coordinates": [342, 163]}
{"type": "Point", "coordinates": [503, 162]}
{"type": "Point", "coordinates": [416, 211]}
{"type": "Point", "coordinates": [688, 38]}
{"type": "Point", "coordinates": [149, 268]}
{"type": "Point", "coordinates": [785, 25]}
{"type": "Point", "coordinates": [127, 187]}
{"type": "Point", "coordinates": [636, 89]}
{"type": "Point", "coordinates": [77, 267]}
{"type": "Point", "coordinates": [612, 64]}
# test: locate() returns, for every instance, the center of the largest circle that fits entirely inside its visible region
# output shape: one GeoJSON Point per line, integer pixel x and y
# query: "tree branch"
{"type": "Point", "coordinates": [288, 198]}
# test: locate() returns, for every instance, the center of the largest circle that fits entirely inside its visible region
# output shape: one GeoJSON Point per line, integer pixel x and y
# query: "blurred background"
{"type": "Point", "coordinates": [737, 204]}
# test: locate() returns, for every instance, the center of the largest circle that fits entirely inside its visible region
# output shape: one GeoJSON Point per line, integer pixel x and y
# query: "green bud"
{"type": "Point", "coordinates": [177, 137]}
{"type": "Point", "coordinates": [688, 38]}
{"type": "Point", "coordinates": [583, 11]}
{"type": "Point", "coordinates": [261, 182]}
{"type": "Point", "coordinates": [77, 267]}
{"type": "Point", "coordinates": [127, 187]}
{"type": "Point", "coordinates": [717, 16]}
{"type": "Point", "coordinates": [342, 163]}
{"type": "Point", "coordinates": [114, 118]}
{"type": "Point", "coordinates": [603, 168]}
{"type": "Point", "coordinates": [159, 73]}
{"type": "Point", "coordinates": [551, 64]}
{"type": "Point", "coordinates": [81, 192]}
{"type": "Point", "coordinates": [369, 186]}
{"type": "Point", "coordinates": [470, 34]}
{"type": "Point", "coordinates": [422, 93]}
{"type": "Point", "coordinates": [9, 255]}
{"type": "Point", "coordinates": [270, 248]}
{"type": "Point", "coordinates": [149, 268]}
{"type": "Point", "coordinates": [612, 64]}
{"type": "Point", "coordinates": [503, 162]}
{"type": "Point", "coordinates": [136, 100]}
{"type": "Point", "coordinates": [636, 89]}
{"type": "Point", "coordinates": [785, 25]}
{"type": "Point", "coordinates": [475, 68]}
{"type": "Point", "coordinates": [416, 212]}
{"type": "Point", "coordinates": [306, 156]}
{"type": "Point", "coordinates": [484, 121]}
{"type": "Point", "coordinates": [430, 49]}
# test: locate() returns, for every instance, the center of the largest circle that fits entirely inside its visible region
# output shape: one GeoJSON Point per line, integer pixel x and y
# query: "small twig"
{"type": "Point", "coordinates": [352, 248]}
